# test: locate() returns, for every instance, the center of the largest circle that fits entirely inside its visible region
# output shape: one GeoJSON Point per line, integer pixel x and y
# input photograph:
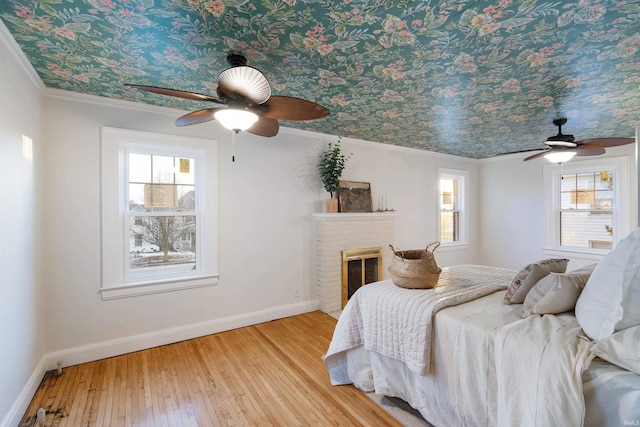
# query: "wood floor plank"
{"type": "Point", "coordinates": [270, 374]}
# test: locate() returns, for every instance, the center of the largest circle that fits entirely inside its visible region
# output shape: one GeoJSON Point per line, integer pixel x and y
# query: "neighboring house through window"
{"type": "Point", "coordinates": [587, 205]}
{"type": "Point", "coordinates": [158, 213]}
{"type": "Point", "coordinates": [451, 203]}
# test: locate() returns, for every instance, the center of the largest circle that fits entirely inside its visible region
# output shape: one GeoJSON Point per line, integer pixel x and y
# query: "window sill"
{"type": "Point", "coordinates": [147, 288]}
{"type": "Point", "coordinates": [588, 255]}
{"type": "Point", "coordinates": [447, 247]}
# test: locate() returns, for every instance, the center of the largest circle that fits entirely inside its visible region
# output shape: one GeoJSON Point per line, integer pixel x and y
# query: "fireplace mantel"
{"type": "Point", "coordinates": [335, 232]}
{"type": "Point", "coordinates": [354, 216]}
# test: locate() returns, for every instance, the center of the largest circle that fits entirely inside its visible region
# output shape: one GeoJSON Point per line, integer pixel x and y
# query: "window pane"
{"type": "Point", "coordinates": [604, 180]}
{"type": "Point", "coordinates": [185, 171]}
{"type": "Point", "coordinates": [567, 201]}
{"type": "Point", "coordinates": [448, 194]}
{"type": "Point", "coordinates": [162, 244]}
{"type": "Point", "coordinates": [568, 183]}
{"type": "Point", "coordinates": [136, 197]}
{"type": "Point", "coordinates": [585, 181]}
{"type": "Point", "coordinates": [139, 168]}
{"type": "Point", "coordinates": [586, 229]}
{"type": "Point", "coordinates": [448, 226]}
{"type": "Point", "coordinates": [163, 170]}
{"type": "Point", "coordinates": [186, 198]}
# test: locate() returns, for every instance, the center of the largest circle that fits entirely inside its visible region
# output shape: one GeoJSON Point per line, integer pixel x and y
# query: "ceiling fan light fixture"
{"type": "Point", "coordinates": [235, 119]}
{"type": "Point", "coordinates": [560, 156]}
{"type": "Point", "coordinates": [247, 82]}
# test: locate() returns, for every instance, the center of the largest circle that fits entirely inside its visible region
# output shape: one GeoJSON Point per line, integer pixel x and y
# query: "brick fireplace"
{"type": "Point", "coordinates": [343, 232]}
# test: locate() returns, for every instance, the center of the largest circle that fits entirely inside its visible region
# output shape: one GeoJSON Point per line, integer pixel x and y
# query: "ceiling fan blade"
{"type": "Point", "coordinates": [605, 142]}
{"type": "Point", "coordinates": [290, 108]}
{"type": "Point", "coordinates": [520, 151]}
{"type": "Point", "coordinates": [536, 156]}
{"type": "Point", "coordinates": [247, 82]}
{"type": "Point", "coordinates": [265, 127]}
{"type": "Point", "coordinates": [196, 117]}
{"type": "Point", "coordinates": [589, 151]}
{"type": "Point", "coordinates": [177, 93]}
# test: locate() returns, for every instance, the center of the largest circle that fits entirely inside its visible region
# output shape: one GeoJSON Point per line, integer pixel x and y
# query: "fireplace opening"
{"type": "Point", "coordinates": [359, 267]}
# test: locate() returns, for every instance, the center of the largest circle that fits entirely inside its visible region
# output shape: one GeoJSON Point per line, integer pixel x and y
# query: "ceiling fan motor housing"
{"type": "Point", "coordinates": [236, 60]}
{"type": "Point", "coordinates": [561, 139]}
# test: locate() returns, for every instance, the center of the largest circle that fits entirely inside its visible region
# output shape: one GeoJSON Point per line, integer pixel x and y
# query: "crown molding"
{"type": "Point", "coordinates": [111, 102]}
{"type": "Point", "coordinates": [333, 138]}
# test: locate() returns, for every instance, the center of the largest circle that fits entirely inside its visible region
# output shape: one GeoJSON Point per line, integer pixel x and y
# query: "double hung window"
{"type": "Point", "coordinates": [451, 202]}
{"type": "Point", "coordinates": [588, 205]}
{"type": "Point", "coordinates": [158, 213]}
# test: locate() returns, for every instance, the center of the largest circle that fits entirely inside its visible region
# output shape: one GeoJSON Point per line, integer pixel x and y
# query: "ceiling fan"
{"type": "Point", "coordinates": [562, 147]}
{"type": "Point", "coordinates": [244, 102]}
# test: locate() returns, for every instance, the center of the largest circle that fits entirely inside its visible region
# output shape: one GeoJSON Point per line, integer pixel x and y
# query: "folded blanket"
{"type": "Point", "coordinates": [397, 322]}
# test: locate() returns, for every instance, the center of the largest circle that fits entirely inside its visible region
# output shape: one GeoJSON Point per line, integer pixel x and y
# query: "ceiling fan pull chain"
{"type": "Point", "coordinates": [233, 150]}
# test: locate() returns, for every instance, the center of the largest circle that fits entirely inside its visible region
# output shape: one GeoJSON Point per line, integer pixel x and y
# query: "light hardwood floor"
{"type": "Point", "coordinates": [262, 375]}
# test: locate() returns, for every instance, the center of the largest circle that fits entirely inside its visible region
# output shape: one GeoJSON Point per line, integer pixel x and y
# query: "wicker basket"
{"type": "Point", "coordinates": [415, 269]}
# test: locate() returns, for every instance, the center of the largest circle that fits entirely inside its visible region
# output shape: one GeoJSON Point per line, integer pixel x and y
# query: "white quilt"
{"type": "Point", "coordinates": [397, 322]}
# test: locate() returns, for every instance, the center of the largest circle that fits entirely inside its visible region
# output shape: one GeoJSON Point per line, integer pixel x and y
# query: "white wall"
{"type": "Point", "coordinates": [409, 179]}
{"type": "Point", "coordinates": [511, 212]}
{"type": "Point", "coordinates": [266, 199]}
{"type": "Point", "coordinates": [21, 289]}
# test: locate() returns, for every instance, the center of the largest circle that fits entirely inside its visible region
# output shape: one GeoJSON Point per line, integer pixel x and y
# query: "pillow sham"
{"type": "Point", "coordinates": [611, 297]}
{"type": "Point", "coordinates": [622, 349]}
{"type": "Point", "coordinates": [529, 276]}
{"type": "Point", "coordinates": [557, 292]}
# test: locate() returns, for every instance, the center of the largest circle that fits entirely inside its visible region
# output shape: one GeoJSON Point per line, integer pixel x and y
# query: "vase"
{"type": "Point", "coordinates": [331, 206]}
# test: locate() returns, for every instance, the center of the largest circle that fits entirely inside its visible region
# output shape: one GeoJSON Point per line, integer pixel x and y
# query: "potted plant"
{"type": "Point", "coordinates": [330, 166]}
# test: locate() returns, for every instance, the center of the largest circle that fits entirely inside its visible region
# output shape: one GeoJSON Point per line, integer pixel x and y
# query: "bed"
{"type": "Point", "coordinates": [462, 357]}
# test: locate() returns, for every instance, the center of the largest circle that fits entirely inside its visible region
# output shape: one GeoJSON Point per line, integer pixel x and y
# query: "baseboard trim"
{"type": "Point", "coordinates": [19, 407]}
{"type": "Point", "coordinates": [105, 349]}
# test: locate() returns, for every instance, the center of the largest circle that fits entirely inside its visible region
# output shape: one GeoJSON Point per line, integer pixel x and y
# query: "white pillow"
{"type": "Point", "coordinates": [622, 349]}
{"type": "Point", "coordinates": [530, 275]}
{"type": "Point", "coordinates": [611, 297]}
{"type": "Point", "coordinates": [556, 293]}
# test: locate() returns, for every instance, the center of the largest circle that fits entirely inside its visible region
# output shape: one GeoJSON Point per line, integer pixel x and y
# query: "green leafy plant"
{"type": "Point", "coordinates": [332, 163]}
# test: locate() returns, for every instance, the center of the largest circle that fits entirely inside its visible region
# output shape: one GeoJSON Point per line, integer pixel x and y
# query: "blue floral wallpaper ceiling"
{"type": "Point", "coordinates": [472, 78]}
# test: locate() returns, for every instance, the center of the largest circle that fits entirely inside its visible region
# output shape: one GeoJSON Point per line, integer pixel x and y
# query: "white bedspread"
{"type": "Point", "coordinates": [490, 367]}
{"type": "Point", "coordinates": [397, 322]}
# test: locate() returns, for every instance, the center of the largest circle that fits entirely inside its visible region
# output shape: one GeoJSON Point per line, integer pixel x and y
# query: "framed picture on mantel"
{"type": "Point", "coordinates": [354, 196]}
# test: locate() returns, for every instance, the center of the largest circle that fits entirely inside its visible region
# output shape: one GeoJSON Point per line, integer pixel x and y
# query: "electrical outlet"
{"type": "Point", "coordinates": [296, 292]}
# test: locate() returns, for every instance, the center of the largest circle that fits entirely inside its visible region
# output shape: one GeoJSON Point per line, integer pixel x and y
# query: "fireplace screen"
{"type": "Point", "coordinates": [359, 267]}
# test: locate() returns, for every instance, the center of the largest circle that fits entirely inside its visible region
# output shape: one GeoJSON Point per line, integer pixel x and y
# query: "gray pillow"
{"type": "Point", "coordinates": [529, 276]}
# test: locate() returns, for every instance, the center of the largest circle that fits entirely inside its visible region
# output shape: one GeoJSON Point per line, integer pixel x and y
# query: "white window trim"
{"type": "Point", "coordinates": [463, 230]}
{"type": "Point", "coordinates": [551, 203]}
{"type": "Point", "coordinates": [115, 143]}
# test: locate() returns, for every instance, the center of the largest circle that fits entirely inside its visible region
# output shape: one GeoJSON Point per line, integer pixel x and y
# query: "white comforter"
{"type": "Point", "coordinates": [491, 367]}
{"type": "Point", "coordinates": [397, 322]}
